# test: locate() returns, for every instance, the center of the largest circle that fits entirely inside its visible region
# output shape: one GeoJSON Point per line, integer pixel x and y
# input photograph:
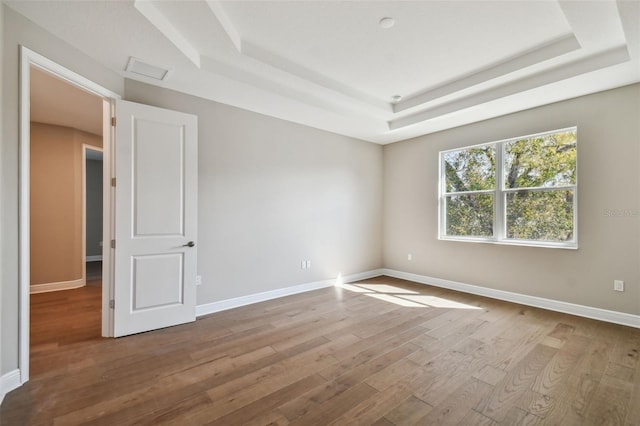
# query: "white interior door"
{"type": "Point", "coordinates": [155, 218]}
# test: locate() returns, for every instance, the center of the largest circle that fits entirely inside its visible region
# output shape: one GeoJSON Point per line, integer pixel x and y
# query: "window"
{"type": "Point", "coordinates": [518, 191]}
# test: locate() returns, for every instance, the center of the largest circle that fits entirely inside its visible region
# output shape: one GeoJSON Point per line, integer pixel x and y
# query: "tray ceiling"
{"type": "Point", "coordinates": [331, 65]}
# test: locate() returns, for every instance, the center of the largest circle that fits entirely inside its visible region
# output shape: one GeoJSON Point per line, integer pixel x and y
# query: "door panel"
{"type": "Point", "coordinates": [158, 212]}
{"type": "Point", "coordinates": [155, 219]}
{"type": "Point", "coordinates": [157, 281]}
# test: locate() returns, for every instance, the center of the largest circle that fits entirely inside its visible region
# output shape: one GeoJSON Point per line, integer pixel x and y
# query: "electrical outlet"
{"type": "Point", "coordinates": [308, 264]}
{"type": "Point", "coordinates": [198, 279]}
{"type": "Point", "coordinates": [618, 285]}
{"type": "Point", "coordinates": [409, 256]}
{"type": "Point", "coordinates": [303, 264]}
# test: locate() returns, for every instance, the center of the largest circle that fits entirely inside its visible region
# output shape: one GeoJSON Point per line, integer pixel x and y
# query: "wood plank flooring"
{"type": "Point", "coordinates": [379, 352]}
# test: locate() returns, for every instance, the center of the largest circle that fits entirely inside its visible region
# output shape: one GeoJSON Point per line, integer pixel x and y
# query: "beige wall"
{"type": "Point", "coordinates": [272, 193]}
{"type": "Point", "coordinates": [608, 179]}
{"type": "Point", "coordinates": [20, 31]}
{"type": "Point", "coordinates": [56, 202]}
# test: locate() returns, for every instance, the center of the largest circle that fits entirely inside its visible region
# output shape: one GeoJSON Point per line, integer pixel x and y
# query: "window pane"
{"type": "Point", "coordinates": [470, 215]}
{"type": "Point", "coordinates": [543, 161]}
{"type": "Point", "coordinates": [540, 215]}
{"type": "Point", "coordinates": [471, 169]}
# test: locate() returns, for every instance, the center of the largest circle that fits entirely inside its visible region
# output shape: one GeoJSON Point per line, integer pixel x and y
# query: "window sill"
{"type": "Point", "coordinates": [522, 243]}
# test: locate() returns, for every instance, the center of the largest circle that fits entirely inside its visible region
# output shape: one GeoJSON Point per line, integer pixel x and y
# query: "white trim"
{"type": "Point", "coordinates": [543, 52]}
{"type": "Point", "coordinates": [108, 215]}
{"type": "Point", "coordinates": [361, 276]}
{"type": "Point", "coordinates": [223, 305]}
{"type": "Point", "coordinates": [57, 286]}
{"type": "Point", "coordinates": [523, 299]}
{"type": "Point", "coordinates": [30, 58]}
{"type": "Point", "coordinates": [96, 258]}
{"type": "Point", "coordinates": [8, 382]}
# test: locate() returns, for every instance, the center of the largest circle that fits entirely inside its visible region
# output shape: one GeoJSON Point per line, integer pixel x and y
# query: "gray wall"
{"type": "Point", "coordinates": [272, 193]}
{"type": "Point", "coordinates": [94, 207]}
{"type": "Point", "coordinates": [1, 179]}
{"type": "Point", "coordinates": [20, 31]}
{"type": "Point", "coordinates": [608, 180]}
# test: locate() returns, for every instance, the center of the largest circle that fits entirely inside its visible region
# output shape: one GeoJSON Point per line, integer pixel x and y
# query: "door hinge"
{"type": "Point", "coordinates": [113, 181]}
{"type": "Point", "coordinates": [113, 121]}
{"type": "Point", "coordinates": [112, 303]}
{"type": "Point", "coordinates": [113, 244]}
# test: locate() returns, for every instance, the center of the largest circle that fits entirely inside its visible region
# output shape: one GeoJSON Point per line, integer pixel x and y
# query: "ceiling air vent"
{"type": "Point", "coordinates": [136, 66]}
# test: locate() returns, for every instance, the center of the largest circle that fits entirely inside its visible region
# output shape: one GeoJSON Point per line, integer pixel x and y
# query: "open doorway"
{"type": "Point", "coordinates": [165, 144]}
{"type": "Point", "coordinates": [65, 217]}
{"type": "Point", "coordinates": [32, 66]}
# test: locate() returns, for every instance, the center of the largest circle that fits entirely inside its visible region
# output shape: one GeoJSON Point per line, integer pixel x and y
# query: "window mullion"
{"type": "Point", "coordinates": [442, 211]}
{"type": "Point", "coordinates": [498, 213]}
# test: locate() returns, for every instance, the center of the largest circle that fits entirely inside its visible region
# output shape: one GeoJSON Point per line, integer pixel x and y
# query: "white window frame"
{"type": "Point", "coordinates": [499, 198]}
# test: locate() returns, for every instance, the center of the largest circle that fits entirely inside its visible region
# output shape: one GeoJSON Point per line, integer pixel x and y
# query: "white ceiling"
{"type": "Point", "coordinates": [329, 64]}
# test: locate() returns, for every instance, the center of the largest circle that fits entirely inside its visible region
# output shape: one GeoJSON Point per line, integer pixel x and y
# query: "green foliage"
{"type": "Point", "coordinates": [470, 169]}
{"type": "Point", "coordinates": [470, 215]}
{"type": "Point", "coordinates": [539, 166]}
{"type": "Point", "coordinates": [545, 161]}
{"type": "Point", "coordinates": [540, 215]}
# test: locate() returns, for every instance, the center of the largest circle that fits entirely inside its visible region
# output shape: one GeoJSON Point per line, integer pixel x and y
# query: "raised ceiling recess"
{"type": "Point", "coordinates": [375, 70]}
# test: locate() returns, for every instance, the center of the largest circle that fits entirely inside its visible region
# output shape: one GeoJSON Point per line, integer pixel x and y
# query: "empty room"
{"type": "Point", "coordinates": [320, 212]}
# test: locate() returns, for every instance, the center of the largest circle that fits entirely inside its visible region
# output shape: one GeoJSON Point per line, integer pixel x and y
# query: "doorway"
{"type": "Point", "coordinates": [92, 214]}
{"type": "Point", "coordinates": [161, 251]}
{"type": "Point", "coordinates": [33, 62]}
{"type": "Point", "coordinates": [65, 217]}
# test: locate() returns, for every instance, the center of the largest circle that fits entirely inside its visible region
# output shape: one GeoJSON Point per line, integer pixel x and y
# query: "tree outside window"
{"type": "Point", "coordinates": [520, 191]}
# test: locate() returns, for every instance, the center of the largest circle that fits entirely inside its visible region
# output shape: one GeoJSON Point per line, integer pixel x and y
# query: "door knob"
{"type": "Point", "coordinates": [189, 244]}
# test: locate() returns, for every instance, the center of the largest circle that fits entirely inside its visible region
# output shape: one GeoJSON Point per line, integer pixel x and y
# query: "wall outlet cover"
{"type": "Point", "coordinates": [618, 285]}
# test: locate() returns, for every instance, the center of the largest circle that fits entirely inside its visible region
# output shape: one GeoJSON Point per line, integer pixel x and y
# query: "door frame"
{"type": "Point", "coordinates": [30, 58]}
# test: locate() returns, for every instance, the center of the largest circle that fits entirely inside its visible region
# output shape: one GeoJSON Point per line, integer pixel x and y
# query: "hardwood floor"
{"type": "Point", "coordinates": [380, 352]}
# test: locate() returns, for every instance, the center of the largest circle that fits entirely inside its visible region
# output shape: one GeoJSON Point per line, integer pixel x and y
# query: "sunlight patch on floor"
{"type": "Point", "coordinates": [402, 296]}
{"type": "Point", "coordinates": [385, 288]}
{"type": "Point", "coordinates": [397, 300]}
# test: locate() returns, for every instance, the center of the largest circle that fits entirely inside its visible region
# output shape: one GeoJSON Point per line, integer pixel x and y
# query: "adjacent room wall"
{"type": "Point", "coordinates": [56, 202]}
{"type": "Point", "coordinates": [273, 193]}
{"type": "Point", "coordinates": [94, 207]}
{"type": "Point", "coordinates": [20, 31]}
{"type": "Point", "coordinates": [608, 207]}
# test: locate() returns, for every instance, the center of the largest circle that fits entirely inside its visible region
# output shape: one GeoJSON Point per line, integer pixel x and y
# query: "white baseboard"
{"type": "Point", "coordinates": [223, 305]}
{"type": "Point", "coordinates": [62, 285]}
{"type": "Point", "coordinates": [523, 299]}
{"type": "Point", "coordinates": [96, 258]}
{"type": "Point", "coordinates": [8, 382]}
